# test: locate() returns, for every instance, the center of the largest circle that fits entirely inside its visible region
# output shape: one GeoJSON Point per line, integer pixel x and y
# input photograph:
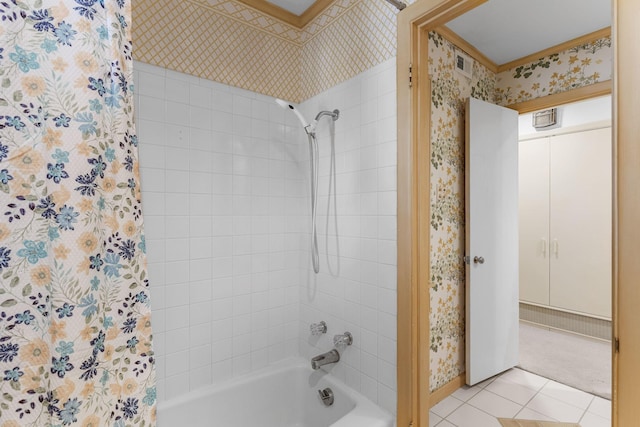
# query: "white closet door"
{"type": "Point", "coordinates": [533, 170]}
{"type": "Point", "coordinates": [580, 233]}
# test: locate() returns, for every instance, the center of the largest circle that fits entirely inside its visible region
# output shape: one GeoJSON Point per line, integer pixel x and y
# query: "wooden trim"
{"type": "Point", "coordinates": [284, 15]}
{"type": "Point", "coordinates": [615, 293]}
{"type": "Point", "coordinates": [471, 50]}
{"type": "Point", "coordinates": [467, 47]}
{"type": "Point", "coordinates": [406, 350]}
{"type": "Point", "coordinates": [274, 11]}
{"type": "Point", "coordinates": [550, 101]}
{"type": "Point", "coordinates": [407, 369]}
{"type": "Point", "coordinates": [422, 217]}
{"type": "Point", "coordinates": [587, 38]}
{"type": "Point", "coordinates": [434, 13]}
{"type": "Point", "coordinates": [414, 145]}
{"type": "Point", "coordinates": [313, 11]}
{"type": "Point", "coordinates": [430, 14]}
{"type": "Point", "coordinates": [626, 245]}
{"type": "Point", "coordinates": [446, 390]}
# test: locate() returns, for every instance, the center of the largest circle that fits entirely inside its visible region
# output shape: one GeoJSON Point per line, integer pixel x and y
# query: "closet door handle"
{"type": "Point", "coordinates": [544, 247]}
{"type": "Point", "coordinates": [555, 247]}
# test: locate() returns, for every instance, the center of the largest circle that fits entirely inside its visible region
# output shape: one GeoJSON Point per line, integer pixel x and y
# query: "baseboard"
{"type": "Point", "coordinates": [446, 390]}
{"type": "Point", "coordinates": [566, 321]}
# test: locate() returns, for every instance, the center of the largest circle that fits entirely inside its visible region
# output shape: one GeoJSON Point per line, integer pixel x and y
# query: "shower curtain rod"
{"type": "Point", "coordinates": [397, 3]}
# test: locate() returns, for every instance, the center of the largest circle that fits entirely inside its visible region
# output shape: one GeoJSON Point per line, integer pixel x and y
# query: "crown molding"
{"type": "Point", "coordinates": [467, 47]}
{"type": "Point", "coordinates": [472, 51]}
{"type": "Point", "coordinates": [587, 38]}
{"type": "Point", "coordinates": [314, 11]}
{"type": "Point", "coordinates": [284, 15]}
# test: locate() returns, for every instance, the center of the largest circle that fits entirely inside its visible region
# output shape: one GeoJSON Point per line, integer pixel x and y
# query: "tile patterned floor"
{"type": "Point", "coordinates": [520, 394]}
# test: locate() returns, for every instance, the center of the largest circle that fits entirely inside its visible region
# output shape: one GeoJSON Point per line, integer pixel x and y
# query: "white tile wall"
{"type": "Point", "coordinates": [225, 292]}
{"type": "Point", "coordinates": [356, 287]}
{"type": "Point", "coordinates": [225, 180]}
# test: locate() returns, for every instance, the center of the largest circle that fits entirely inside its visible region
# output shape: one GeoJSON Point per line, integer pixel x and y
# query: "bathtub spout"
{"type": "Point", "coordinates": [325, 358]}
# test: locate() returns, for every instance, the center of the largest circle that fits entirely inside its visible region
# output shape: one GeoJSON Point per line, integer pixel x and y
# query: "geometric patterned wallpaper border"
{"type": "Point", "coordinates": [232, 43]}
{"type": "Point", "coordinates": [188, 37]}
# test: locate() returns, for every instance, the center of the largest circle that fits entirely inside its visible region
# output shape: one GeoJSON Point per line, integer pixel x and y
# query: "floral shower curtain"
{"type": "Point", "coordinates": [75, 332]}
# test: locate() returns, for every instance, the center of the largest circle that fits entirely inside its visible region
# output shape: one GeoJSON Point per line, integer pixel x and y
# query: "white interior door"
{"type": "Point", "coordinates": [491, 240]}
{"type": "Point", "coordinates": [533, 171]}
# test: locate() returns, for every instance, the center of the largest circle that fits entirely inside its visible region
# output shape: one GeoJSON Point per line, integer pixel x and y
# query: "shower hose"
{"type": "Point", "coordinates": [313, 160]}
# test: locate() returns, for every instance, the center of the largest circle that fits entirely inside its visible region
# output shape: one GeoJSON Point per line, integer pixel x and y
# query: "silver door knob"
{"type": "Point", "coordinates": [478, 260]}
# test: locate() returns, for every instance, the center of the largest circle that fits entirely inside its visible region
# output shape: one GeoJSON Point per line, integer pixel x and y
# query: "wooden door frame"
{"type": "Point", "coordinates": [626, 211]}
{"type": "Point", "coordinates": [414, 102]}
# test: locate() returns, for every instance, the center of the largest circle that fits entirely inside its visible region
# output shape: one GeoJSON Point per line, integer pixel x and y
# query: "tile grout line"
{"type": "Point", "coordinates": [538, 392]}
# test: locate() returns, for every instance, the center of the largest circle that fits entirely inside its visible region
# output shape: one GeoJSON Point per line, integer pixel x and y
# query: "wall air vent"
{"type": "Point", "coordinates": [545, 119]}
{"type": "Point", "coordinates": [464, 64]}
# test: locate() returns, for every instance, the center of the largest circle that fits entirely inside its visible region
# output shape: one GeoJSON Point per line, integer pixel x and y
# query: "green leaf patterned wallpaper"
{"type": "Point", "coordinates": [574, 68]}
{"type": "Point", "coordinates": [577, 67]}
{"type": "Point", "coordinates": [449, 90]}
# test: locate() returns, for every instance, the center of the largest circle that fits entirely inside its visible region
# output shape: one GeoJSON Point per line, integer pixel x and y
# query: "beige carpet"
{"type": "Point", "coordinates": [529, 423]}
{"type": "Point", "coordinates": [576, 361]}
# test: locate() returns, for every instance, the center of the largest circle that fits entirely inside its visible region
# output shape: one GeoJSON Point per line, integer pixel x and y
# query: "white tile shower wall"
{"type": "Point", "coordinates": [224, 198]}
{"type": "Point", "coordinates": [356, 288]}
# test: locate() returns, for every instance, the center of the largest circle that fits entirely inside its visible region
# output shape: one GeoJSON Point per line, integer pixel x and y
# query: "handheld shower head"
{"type": "Point", "coordinates": [308, 127]}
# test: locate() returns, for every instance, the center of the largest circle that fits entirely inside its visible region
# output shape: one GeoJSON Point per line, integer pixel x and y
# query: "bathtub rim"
{"type": "Point", "coordinates": [363, 411]}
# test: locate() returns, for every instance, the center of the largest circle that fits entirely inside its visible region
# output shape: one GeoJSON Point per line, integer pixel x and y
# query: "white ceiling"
{"type": "Point", "coordinates": [505, 30]}
{"type": "Point", "coordinates": [297, 7]}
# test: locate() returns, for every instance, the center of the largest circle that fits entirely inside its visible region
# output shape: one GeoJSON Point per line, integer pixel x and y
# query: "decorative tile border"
{"type": "Point", "coordinates": [247, 15]}
{"type": "Point", "coordinates": [189, 38]}
{"type": "Point", "coordinates": [233, 43]}
{"type": "Point", "coordinates": [359, 39]}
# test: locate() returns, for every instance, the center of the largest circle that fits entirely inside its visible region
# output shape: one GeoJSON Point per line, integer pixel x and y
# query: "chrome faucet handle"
{"type": "Point", "coordinates": [318, 328]}
{"type": "Point", "coordinates": [343, 340]}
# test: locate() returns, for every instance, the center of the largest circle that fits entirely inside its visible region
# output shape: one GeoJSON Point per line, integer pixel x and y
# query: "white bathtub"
{"type": "Point", "coordinates": [285, 395]}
